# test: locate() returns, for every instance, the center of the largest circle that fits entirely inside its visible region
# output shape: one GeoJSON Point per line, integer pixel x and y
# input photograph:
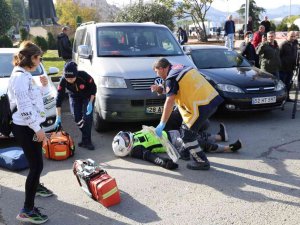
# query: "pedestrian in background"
{"type": "Point", "coordinates": [266, 23]}
{"type": "Point", "coordinates": [26, 99]}
{"type": "Point", "coordinates": [248, 50]}
{"type": "Point", "coordinates": [288, 54]}
{"type": "Point", "coordinates": [183, 38]}
{"type": "Point", "coordinates": [82, 90]}
{"type": "Point", "coordinates": [64, 45]}
{"type": "Point", "coordinates": [196, 100]}
{"type": "Point", "coordinates": [250, 24]}
{"type": "Point", "coordinates": [229, 29]}
{"type": "Point", "coordinates": [268, 52]}
{"type": "Point", "coordinates": [258, 36]}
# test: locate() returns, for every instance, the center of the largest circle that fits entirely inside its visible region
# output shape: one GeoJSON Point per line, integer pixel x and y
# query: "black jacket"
{"type": "Point", "coordinates": [267, 25]}
{"type": "Point", "coordinates": [83, 87]}
{"type": "Point", "coordinates": [288, 55]}
{"type": "Point", "coordinates": [248, 51]}
{"type": "Point", "coordinates": [64, 46]}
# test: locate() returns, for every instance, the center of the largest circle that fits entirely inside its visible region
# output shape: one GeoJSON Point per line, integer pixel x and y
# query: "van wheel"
{"type": "Point", "coordinates": [100, 124]}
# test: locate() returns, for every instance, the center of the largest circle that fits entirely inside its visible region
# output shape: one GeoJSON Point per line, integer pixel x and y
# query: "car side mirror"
{"type": "Point", "coordinates": [186, 50]}
{"type": "Point", "coordinates": [84, 52]}
{"type": "Point", "coordinates": [52, 71]}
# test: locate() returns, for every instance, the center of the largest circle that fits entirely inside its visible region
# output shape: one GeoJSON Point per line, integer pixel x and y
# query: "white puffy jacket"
{"type": "Point", "coordinates": [27, 96]}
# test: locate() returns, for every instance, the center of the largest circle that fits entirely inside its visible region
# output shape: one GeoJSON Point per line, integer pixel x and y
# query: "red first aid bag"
{"type": "Point", "coordinates": [96, 182]}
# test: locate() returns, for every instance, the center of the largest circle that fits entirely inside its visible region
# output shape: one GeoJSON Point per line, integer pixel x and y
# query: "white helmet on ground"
{"type": "Point", "coordinates": [122, 143]}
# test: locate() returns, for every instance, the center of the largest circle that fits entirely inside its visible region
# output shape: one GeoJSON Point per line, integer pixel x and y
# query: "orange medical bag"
{"type": "Point", "coordinates": [59, 146]}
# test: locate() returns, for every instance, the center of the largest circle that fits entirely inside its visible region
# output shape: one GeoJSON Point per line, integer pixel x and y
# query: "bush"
{"type": "Point", "coordinates": [51, 41]}
{"type": "Point", "coordinates": [293, 27]}
{"type": "Point", "coordinates": [24, 35]}
{"type": "Point", "coordinates": [41, 42]}
{"type": "Point", "coordinates": [5, 42]}
{"type": "Point", "coordinates": [282, 27]}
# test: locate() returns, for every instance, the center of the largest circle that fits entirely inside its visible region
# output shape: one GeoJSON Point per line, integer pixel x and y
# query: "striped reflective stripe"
{"type": "Point", "coordinates": [110, 193]}
{"type": "Point", "coordinates": [61, 153]}
{"type": "Point", "coordinates": [191, 144]}
{"type": "Point", "coordinates": [80, 123]}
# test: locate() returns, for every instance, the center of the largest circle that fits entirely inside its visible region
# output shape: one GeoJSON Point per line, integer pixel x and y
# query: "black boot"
{"type": "Point", "coordinates": [200, 161]}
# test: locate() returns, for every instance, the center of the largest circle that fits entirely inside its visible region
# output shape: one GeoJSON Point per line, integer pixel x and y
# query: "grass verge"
{"type": "Point", "coordinates": [51, 59]}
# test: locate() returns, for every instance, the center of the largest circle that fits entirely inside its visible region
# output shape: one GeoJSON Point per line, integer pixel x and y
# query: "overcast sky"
{"type": "Point", "coordinates": [226, 5]}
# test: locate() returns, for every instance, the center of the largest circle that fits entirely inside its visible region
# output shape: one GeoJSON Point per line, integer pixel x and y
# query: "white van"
{"type": "Point", "coordinates": [120, 56]}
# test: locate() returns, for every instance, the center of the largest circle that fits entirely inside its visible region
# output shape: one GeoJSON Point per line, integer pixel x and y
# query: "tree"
{"type": "Point", "coordinates": [194, 9]}
{"type": "Point", "coordinates": [78, 21]}
{"type": "Point", "coordinates": [67, 9]}
{"type": "Point", "coordinates": [5, 17]}
{"type": "Point", "coordinates": [273, 26]}
{"type": "Point", "coordinates": [254, 12]}
{"type": "Point", "coordinates": [147, 13]}
{"type": "Point", "coordinates": [290, 19]}
{"type": "Point", "coordinates": [18, 11]}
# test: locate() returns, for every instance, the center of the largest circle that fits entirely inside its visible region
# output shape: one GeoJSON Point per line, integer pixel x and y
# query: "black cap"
{"type": "Point", "coordinates": [70, 70]}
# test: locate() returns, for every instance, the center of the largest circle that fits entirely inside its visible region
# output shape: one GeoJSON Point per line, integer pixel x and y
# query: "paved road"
{"type": "Point", "coordinates": [259, 185]}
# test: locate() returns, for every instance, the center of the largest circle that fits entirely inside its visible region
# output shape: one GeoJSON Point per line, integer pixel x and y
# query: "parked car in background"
{"type": "Point", "coordinates": [243, 86]}
{"type": "Point", "coordinates": [6, 67]}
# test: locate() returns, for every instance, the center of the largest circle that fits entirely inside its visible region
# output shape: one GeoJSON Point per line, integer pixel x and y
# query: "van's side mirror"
{"type": "Point", "coordinates": [52, 71]}
{"type": "Point", "coordinates": [84, 52]}
{"type": "Point", "coordinates": [186, 50]}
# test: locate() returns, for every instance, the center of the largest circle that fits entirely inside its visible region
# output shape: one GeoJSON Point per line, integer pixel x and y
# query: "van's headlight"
{"type": "Point", "coordinates": [229, 88]}
{"type": "Point", "coordinates": [279, 86]}
{"type": "Point", "coordinates": [112, 82]}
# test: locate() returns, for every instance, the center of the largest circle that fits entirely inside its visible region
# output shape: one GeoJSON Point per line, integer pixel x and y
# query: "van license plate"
{"type": "Point", "coordinates": [263, 100]}
{"type": "Point", "coordinates": [155, 109]}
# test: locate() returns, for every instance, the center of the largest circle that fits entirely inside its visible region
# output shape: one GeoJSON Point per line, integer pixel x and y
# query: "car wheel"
{"type": "Point", "coordinates": [99, 124]}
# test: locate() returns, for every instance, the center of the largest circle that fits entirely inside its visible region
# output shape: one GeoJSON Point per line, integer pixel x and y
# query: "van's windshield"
{"type": "Point", "coordinates": [135, 41]}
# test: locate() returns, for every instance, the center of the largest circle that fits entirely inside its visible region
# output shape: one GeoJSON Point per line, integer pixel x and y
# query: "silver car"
{"type": "Point", "coordinates": [6, 67]}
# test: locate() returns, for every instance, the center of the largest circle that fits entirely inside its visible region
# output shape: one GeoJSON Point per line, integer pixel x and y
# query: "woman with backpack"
{"type": "Point", "coordinates": [26, 101]}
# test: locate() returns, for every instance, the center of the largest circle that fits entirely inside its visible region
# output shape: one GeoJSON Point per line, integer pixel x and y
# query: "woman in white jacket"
{"type": "Point", "coordinates": [26, 101]}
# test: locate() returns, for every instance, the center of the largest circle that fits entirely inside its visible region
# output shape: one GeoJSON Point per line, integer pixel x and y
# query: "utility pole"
{"type": "Point", "coordinates": [290, 8]}
{"type": "Point", "coordinates": [246, 15]}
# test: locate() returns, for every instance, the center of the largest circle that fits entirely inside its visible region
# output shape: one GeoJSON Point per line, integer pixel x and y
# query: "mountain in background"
{"type": "Point", "coordinates": [280, 12]}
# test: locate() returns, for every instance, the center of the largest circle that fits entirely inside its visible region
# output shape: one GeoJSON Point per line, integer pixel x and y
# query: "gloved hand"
{"type": "Point", "coordinates": [89, 108]}
{"type": "Point", "coordinates": [159, 129]}
{"type": "Point", "coordinates": [58, 122]}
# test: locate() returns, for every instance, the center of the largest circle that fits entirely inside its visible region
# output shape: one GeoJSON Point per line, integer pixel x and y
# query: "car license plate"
{"type": "Point", "coordinates": [263, 100]}
{"type": "Point", "coordinates": [155, 109]}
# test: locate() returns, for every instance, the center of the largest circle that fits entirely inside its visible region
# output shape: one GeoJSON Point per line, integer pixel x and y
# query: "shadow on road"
{"type": "Point", "coordinates": [60, 212]}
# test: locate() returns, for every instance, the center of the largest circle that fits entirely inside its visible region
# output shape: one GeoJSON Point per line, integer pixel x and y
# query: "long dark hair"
{"type": "Point", "coordinates": [23, 57]}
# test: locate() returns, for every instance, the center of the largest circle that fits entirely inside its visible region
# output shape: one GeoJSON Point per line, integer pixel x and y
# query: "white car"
{"type": "Point", "coordinates": [6, 67]}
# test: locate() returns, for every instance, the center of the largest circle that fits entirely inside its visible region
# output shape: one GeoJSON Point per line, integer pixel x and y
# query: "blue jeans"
{"type": "Point", "coordinates": [83, 121]}
{"type": "Point", "coordinates": [229, 41]}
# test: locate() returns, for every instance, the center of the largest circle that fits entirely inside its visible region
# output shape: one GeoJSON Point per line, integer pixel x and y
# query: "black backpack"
{"type": "Point", "coordinates": [5, 116]}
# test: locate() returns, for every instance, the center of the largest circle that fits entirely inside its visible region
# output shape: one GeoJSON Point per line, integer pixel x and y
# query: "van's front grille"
{"type": "Point", "coordinates": [142, 84]}
{"type": "Point", "coordinates": [156, 102]}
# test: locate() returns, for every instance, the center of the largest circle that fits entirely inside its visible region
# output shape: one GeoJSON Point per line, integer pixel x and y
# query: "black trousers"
{"type": "Point", "coordinates": [33, 153]}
